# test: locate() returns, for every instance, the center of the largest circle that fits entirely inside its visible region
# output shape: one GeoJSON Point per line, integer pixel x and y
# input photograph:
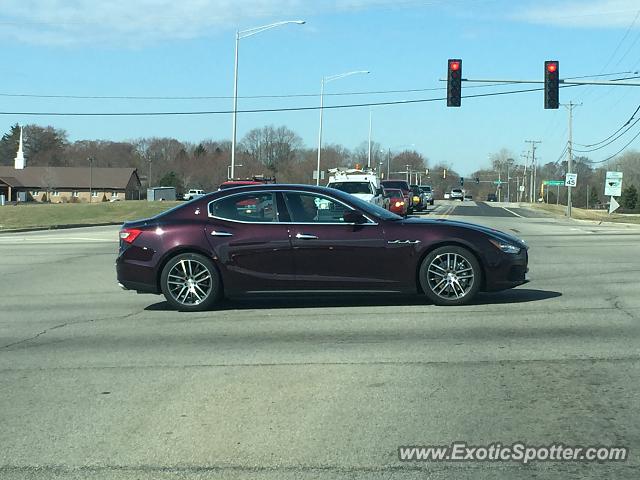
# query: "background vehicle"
{"type": "Point", "coordinates": [427, 194]}
{"type": "Point", "coordinates": [456, 194]}
{"type": "Point", "coordinates": [363, 184]}
{"type": "Point", "coordinates": [282, 245]}
{"type": "Point", "coordinates": [256, 180]}
{"type": "Point", "coordinates": [193, 193]}
{"type": "Point", "coordinates": [402, 185]}
{"type": "Point", "coordinates": [417, 200]}
{"type": "Point", "coordinates": [395, 201]}
{"type": "Point", "coordinates": [491, 197]}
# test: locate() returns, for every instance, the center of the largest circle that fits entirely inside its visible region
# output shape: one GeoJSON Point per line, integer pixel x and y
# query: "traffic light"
{"type": "Point", "coordinates": [454, 83]}
{"type": "Point", "coordinates": [551, 84]}
{"type": "Point", "coordinates": [478, 180]}
{"type": "Point", "coordinates": [461, 182]}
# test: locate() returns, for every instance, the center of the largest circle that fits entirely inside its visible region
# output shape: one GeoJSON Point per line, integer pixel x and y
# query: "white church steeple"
{"type": "Point", "coordinates": [19, 160]}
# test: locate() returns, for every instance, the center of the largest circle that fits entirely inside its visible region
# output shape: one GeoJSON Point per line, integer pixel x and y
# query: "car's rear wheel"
{"type": "Point", "coordinates": [450, 275]}
{"type": "Point", "coordinates": [190, 282]}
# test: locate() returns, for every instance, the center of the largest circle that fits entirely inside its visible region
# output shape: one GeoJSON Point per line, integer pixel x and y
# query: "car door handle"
{"type": "Point", "coordinates": [304, 236]}
{"type": "Point", "coordinates": [221, 234]}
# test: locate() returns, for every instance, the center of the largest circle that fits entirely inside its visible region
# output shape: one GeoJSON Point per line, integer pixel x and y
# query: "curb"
{"type": "Point", "coordinates": [59, 227]}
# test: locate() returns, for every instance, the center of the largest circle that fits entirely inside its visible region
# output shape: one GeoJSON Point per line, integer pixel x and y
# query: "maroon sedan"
{"type": "Point", "coordinates": [304, 238]}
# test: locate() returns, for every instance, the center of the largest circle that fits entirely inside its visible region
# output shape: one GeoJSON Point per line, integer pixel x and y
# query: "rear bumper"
{"type": "Point", "coordinates": [136, 275]}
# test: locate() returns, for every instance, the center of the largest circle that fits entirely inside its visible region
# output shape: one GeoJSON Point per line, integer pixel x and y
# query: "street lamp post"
{"type": "Point", "coordinates": [244, 34]}
{"type": "Point", "coordinates": [322, 83]}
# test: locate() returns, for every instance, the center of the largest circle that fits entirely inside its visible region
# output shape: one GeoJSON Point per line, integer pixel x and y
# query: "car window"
{"type": "Point", "coordinates": [353, 187]}
{"type": "Point", "coordinates": [311, 208]}
{"type": "Point", "coordinates": [250, 207]}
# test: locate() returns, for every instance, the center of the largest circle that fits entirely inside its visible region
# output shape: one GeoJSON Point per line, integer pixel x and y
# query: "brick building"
{"type": "Point", "coordinates": [69, 184]}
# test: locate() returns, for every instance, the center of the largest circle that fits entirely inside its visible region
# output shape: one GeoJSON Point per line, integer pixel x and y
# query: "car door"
{"type": "Point", "coordinates": [331, 254]}
{"type": "Point", "coordinates": [249, 242]}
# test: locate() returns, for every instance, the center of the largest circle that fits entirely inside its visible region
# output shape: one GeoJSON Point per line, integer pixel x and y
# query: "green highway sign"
{"type": "Point", "coordinates": [554, 183]}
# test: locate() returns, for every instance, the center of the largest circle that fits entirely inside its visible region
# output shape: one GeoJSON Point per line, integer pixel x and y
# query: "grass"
{"type": "Point", "coordinates": [44, 215]}
{"type": "Point", "coordinates": [595, 215]}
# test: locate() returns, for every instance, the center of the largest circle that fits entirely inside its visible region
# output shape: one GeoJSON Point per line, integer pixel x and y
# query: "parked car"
{"type": "Point", "coordinates": [395, 201]}
{"type": "Point", "coordinates": [402, 185]}
{"type": "Point", "coordinates": [456, 194]}
{"type": "Point", "coordinates": [491, 197]}
{"type": "Point", "coordinates": [193, 193]}
{"type": "Point", "coordinates": [199, 252]}
{"type": "Point", "coordinates": [427, 194]}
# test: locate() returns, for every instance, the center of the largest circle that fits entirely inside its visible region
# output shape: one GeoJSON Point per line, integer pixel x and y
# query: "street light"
{"type": "Point", "coordinates": [322, 82]}
{"type": "Point", "coordinates": [244, 34]}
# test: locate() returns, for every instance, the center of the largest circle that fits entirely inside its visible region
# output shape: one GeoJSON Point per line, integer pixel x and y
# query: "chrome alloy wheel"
{"type": "Point", "coordinates": [450, 276]}
{"type": "Point", "coordinates": [189, 282]}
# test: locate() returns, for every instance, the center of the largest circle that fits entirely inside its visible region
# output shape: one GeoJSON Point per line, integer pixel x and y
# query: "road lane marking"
{"type": "Point", "coordinates": [512, 212]}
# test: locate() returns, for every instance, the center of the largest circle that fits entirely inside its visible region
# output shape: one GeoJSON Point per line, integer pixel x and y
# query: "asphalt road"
{"type": "Point", "coordinates": [104, 384]}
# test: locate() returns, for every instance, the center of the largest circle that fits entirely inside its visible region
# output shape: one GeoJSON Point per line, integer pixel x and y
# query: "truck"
{"type": "Point", "coordinates": [361, 183]}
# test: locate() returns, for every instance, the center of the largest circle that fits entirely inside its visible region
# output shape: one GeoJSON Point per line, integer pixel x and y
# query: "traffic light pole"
{"type": "Point", "coordinates": [532, 186]}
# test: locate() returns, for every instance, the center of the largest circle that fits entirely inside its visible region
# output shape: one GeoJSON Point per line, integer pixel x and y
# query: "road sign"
{"type": "Point", "coordinates": [522, 188]}
{"type": "Point", "coordinates": [498, 182]}
{"type": "Point", "coordinates": [571, 180]}
{"type": "Point", "coordinates": [613, 184]}
{"type": "Point", "coordinates": [315, 174]}
{"type": "Point", "coordinates": [554, 183]}
{"type": "Point", "coordinates": [613, 205]}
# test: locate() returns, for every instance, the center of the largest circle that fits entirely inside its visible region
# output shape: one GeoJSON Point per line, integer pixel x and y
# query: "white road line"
{"type": "Point", "coordinates": [512, 212]}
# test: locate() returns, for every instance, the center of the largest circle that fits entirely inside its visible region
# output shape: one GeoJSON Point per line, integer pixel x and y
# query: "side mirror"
{"type": "Point", "coordinates": [353, 216]}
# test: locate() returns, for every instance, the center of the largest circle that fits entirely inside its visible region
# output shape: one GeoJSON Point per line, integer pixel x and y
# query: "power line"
{"type": "Point", "coordinates": [228, 97]}
{"type": "Point", "coordinates": [288, 95]}
{"type": "Point", "coordinates": [609, 142]}
{"type": "Point", "coordinates": [615, 154]}
{"type": "Point", "coordinates": [268, 110]}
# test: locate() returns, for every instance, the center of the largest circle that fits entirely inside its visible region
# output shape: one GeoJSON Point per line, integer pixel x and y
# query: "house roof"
{"type": "Point", "coordinates": [68, 177]}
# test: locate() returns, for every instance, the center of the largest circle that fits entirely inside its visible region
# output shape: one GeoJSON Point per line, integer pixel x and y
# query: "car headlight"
{"type": "Point", "coordinates": [505, 247]}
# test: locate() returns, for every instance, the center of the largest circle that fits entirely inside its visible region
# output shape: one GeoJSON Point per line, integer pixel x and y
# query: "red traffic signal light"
{"type": "Point", "coordinates": [454, 82]}
{"type": "Point", "coordinates": [551, 84]}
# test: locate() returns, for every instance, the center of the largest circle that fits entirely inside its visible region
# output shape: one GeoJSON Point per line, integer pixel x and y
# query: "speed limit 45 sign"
{"type": "Point", "coordinates": [571, 180]}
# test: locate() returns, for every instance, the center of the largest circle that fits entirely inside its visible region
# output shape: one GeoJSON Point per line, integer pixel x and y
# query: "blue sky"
{"type": "Point", "coordinates": [168, 48]}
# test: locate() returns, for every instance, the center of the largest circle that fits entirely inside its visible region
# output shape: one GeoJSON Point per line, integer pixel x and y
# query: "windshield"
{"type": "Point", "coordinates": [396, 184]}
{"type": "Point", "coordinates": [353, 187]}
{"type": "Point", "coordinates": [426, 189]}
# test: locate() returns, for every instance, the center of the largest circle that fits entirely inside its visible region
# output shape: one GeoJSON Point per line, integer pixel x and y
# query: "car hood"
{"type": "Point", "coordinates": [363, 196]}
{"type": "Point", "coordinates": [492, 232]}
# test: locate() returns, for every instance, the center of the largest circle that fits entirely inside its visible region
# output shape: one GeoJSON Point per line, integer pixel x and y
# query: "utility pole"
{"type": "Point", "coordinates": [524, 176]}
{"type": "Point", "coordinates": [90, 179]}
{"type": "Point", "coordinates": [570, 107]}
{"type": "Point", "coordinates": [532, 187]}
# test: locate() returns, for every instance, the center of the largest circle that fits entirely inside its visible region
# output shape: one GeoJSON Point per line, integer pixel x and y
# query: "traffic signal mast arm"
{"type": "Point", "coordinates": [564, 82]}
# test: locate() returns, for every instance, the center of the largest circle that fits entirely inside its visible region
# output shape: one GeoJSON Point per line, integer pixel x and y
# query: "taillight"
{"type": "Point", "coordinates": [399, 204]}
{"type": "Point", "coordinates": [128, 235]}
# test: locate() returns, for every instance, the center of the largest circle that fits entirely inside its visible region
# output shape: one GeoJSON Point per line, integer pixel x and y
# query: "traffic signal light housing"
{"type": "Point", "coordinates": [454, 82]}
{"type": "Point", "coordinates": [461, 182]}
{"type": "Point", "coordinates": [551, 84]}
{"type": "Point", "coordinates": [477, 180]}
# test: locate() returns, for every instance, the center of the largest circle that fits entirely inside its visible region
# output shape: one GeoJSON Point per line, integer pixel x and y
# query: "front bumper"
{"type": "Point", "coordinates": [506, 271]}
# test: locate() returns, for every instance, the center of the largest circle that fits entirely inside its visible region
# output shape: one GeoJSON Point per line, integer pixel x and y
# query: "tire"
{"type": "Point", "coordinates": [452, 265]}
{"type": "Point", "coordinates": [198, 275]}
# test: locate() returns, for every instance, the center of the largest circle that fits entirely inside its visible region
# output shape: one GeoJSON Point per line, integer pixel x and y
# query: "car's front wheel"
{"type": "Point", "coordinates": [190, 282]}
{"type": "Point", "coordinates": [450, 275]}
